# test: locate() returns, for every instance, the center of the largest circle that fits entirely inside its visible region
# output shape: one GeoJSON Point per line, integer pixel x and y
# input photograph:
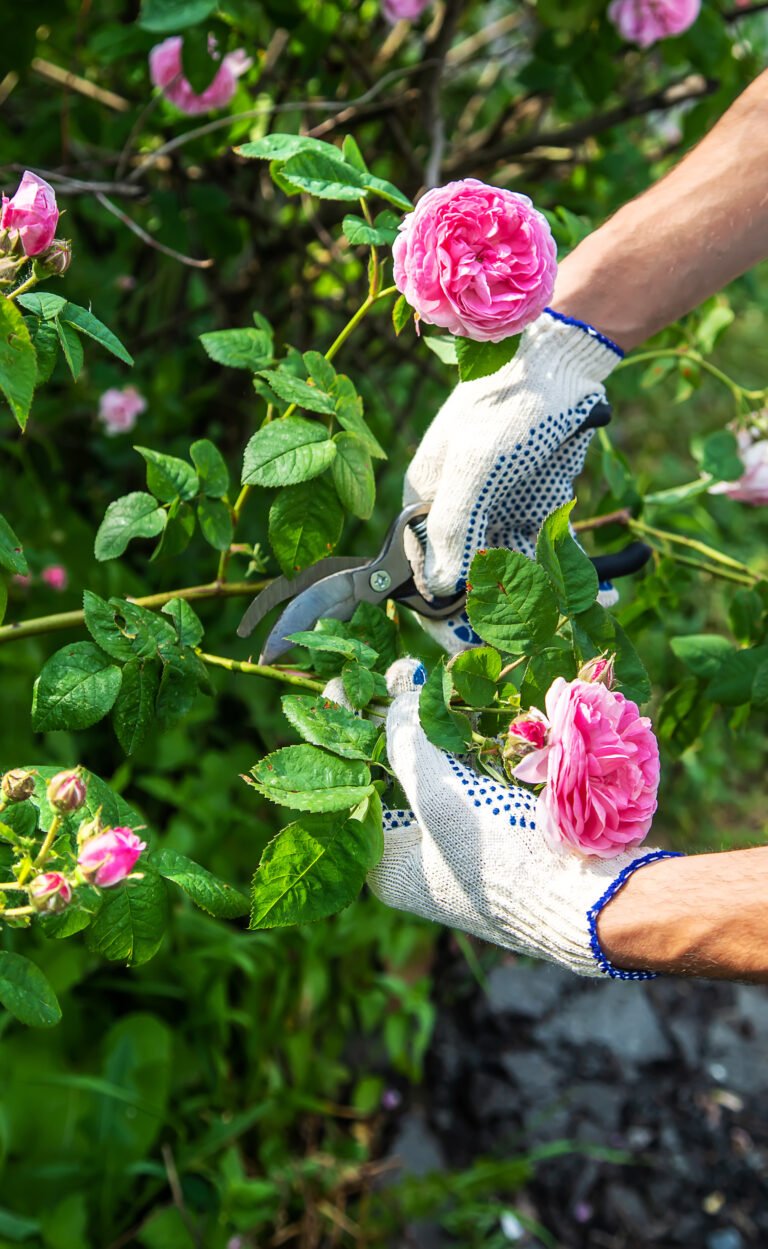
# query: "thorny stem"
{"type": "Point", "coordinates": [25, 286]}
{"type": "Point", "coordinates": [640, 527]}
{"type": "Point", "coordinates": [712, 570]}
{"type": "Point", "coordinates": [738, 392]}
{"type": "Point", "coordinates": [262, 670]}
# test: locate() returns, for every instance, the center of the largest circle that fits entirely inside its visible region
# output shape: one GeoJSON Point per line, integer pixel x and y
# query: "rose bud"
{"type": "Point", "coordinates": [18, 785]}
{"type": "Point", "coordinates": [50, 892]}
{"type": "Point", "coordinates": [56, 260]}
{"type": "Point", "coordinates": [109, 858]}
{"type": "Point", "coordinates": [526, 733]}
{"type": "Point", "coordinates": [31, 213]}
{"type": "Point", "coordinates": [66, 792]}
{"type": "Point", "coordinates": [598, 669]}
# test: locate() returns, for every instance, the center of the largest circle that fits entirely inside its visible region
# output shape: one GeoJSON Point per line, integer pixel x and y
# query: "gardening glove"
{"type": "Point", "coordinates": [502, 454]}
{"type": "Point", "coordinates": [469, 854]}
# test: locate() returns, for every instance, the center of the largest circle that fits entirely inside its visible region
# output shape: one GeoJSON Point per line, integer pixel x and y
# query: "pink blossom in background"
{"type": "Point", "coordinates": [110, 857]}
{"type": "Point", "coordinates": [165, 70]}
{"type": "Point", "coordinates": [22, 579]}
{"type": "Point", "coordinates": [600, 769]}
{"type": "Point", "coordinates": [646, 21]}
{"type": "Point", "coordinates": [400, 10]}
{"type": "Point", "coordinates": [477, 260]}
{"type": "Point", "coordinates": [119, 409]}
{"type": "Point", "coordinates": [752, 486]}
{"type": "Point", "coordinates": [50, 891]}
{"type": "Point", "coordinates": [55, 576]}
{"type": "Point", "coordinates": [31, 211]}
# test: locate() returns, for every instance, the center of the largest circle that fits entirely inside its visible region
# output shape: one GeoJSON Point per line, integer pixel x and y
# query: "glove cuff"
{"type": "Point", "coordinates": [573, 346]}
{"type": "Point", "coordinates": [593, 914]}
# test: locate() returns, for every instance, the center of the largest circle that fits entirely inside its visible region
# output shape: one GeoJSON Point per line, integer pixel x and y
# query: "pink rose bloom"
{"type": "Point", "coordinates": [32, 212]}
{"type": "Point", "coordinates": [600, 768]}
{"type": "Point", "coordinates": [476, 260]}
{"type": "Point", "coordinates": [165, 70]}
{"type": "Point", "coordinates": [50, 891]}
{"type": "Point", "coordinates": [399, 10]}
{"type": "Point", "coordinates": [530, 728]}
{"type": "Point", "coordinates": [56, 576]}
{"type": "Point", "coordinates": [119, 409]}
{"type": "Point", "coordinates": [108, 858]}
{"type": "Point", "coordinates": [752, 487]}
{"type": "Point", "coordinates": [645, 21]}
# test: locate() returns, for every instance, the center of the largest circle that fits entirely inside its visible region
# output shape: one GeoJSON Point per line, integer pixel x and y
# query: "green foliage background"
{"type": "Point", "coordinates": [231, 1087]}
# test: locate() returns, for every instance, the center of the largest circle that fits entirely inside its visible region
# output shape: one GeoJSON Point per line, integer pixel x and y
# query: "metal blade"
{"type": "Point", "coordinates": [333, 596]}
{"type": "Point", "coordinates": [281, 588]}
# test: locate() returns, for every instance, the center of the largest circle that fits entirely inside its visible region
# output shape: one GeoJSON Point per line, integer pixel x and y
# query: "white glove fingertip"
{"type": "Point", "coordinates": [405, 675]}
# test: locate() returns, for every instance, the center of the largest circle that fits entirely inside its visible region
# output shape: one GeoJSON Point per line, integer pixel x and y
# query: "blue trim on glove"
{"type": "Point", "coordinates": [588, 329]}
{"type": "Point", "coordinates": [593, 913]}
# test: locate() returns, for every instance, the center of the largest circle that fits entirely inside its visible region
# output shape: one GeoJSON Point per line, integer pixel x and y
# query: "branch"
{"type": "Point", "coordinates": [287, 676]}
{"type": "Point", "coordinates": [434, 121]}
{"type": "Point", "coordinates": [66, 185]}
{"type": "Point", "coordinates": [149, 239]}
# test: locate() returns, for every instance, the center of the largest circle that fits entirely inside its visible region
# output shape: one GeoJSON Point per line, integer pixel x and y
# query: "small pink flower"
{"type": "Point", "coordinates": [166, 72]}
{"type": "Point", "coordinates": [475, 259]}
{"type": "Point", "coordinates": [598, 669]}
{"type": "Point", "coordinates": [110, 857]}
{"type": "Point", "coordinates": [50, 891]}
{"type": "Point", "coordinates": [600, 769]}
{"type": "Point", "coordinates": [22, 579]}
{"type": "Point", "coordinates": [530, 728]}
{"type": "Point", "coordinates": [752, 486]}
{"type": "Point", "coordinates": [32, 212]}
{"type": "Point", "coordinates": [403, 10]}
{"type": "Point", "coordinates": [120, 409]}
{"type": "Point", "coordinates": [645, 21]}
{"type": "Point", "coordinates": [67, 791]}
{"type": "Point", "coordinates": [56, 576]}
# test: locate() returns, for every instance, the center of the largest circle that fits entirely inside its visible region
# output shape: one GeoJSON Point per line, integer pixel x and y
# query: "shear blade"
{"type": "Point", "coordinates": [281, 589]}
{"type": "Point", "coordinates": [333, 596]}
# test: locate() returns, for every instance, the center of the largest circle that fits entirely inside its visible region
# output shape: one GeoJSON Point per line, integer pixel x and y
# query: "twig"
{"type": "Point", "coordinates": [149, 239]}
{"type": "Point", "coordinates": [261, 670]}
{"type": "Point", "coordinates": [622, 517]}
{"type": "Point", "coordinates": [67, 185]}
{"type": "Point", "coordinates": [64, 78]}
{"type": "Point", "coordinates": [434, 122]}
{"type": "Point", "coordinates": [177, 1193]}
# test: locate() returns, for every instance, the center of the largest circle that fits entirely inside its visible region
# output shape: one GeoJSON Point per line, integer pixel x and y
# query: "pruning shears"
{"type": "Point", "coordinates": [334, 586]}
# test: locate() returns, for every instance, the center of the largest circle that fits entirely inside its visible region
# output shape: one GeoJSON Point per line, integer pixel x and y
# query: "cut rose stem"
{"type": "Point", "coordinates": [262, 670]}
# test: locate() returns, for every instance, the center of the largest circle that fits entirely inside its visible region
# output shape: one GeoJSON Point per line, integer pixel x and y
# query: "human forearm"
{"type": "Point", "coordinates": [699, 915]}
{"type": "Point", "coordinates": [705, 223]}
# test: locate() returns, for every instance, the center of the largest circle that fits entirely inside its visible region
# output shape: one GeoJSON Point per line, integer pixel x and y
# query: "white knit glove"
{"type": "Point", "coordinates": [502, 454]}
{"type": "Point", "coordinates": [469, 854]}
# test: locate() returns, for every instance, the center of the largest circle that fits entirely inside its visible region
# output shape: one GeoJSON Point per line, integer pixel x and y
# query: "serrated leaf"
{"type": "Point", "coordinates": [247, 348]}
{"type": "Point", "coordinates": [718, 455]}
{"type": "Point", "coordinates": [45, 341]}
{"type": "Point", "coordinates": [511, 604]}
{"type": "Point", "coordinates": [84, 321]}
{"type": "Point", "coordinates": [18, 362]}
{"type": "Point", "coordinates": [149, 634]}
{"type": "Point", "coordinates": [401, 315]}
{"type": "Point", "coordinates": [352, 473]}
{"type": "Point", "coordinates": [280, 147]}
{"type": "Point", "coordinates": [101, 623]}
{"type": "Point", "coordinates": [542, 669]}
{"type": "Point", "coordinates": [320, 371]}
{"type": "Point", "coordinates": [206, 890]}
{"type": "Point", "coordinates": [296, 390]}
{"type": "Point", "coordinates": [745, 613]}
{"type": "Point", "coordinates": [168, 477]}
{"type": "Point", "coordinates": [474, 674]}
{"type": "Point", "coordinates": [352, 154]}
{"type": "Point", "coordinates": [71, 348]}
{"type": "Point", "coordinates": [348, 411]}
{"type": "Point", "coordinates": [597, 632]}
{"type": "Point", "coordinates": [75, 689]}
{"type": "Point", "coordinates": [178, 532]}
{"type": "Point", "coordinates": [703, 653]}
{"type": "Point", "coordinates": [309, 779]}
{"type": "Point", "coordinates": [188, 624]}
{"type": "Point", "coordinates": [42, 304]}
{"type": "Point", "coordinates": [482, 359]}
{"type": "Point", "coordinates": [305, 524]}
{"type": "Point", "coordinates": [359, 683]}
{"type": "Point", "coordinates": [134, 710]}
{"type": "Point", "coordinates": [450, 730]}
{"type": "Point", "coordinates": [286, 452]}
{"type": "Point", "coordinates": [324, 174]}
{"type": "Point", "coordinates": [322, 722]}
{"type": "Point", "coordinates": [760, 685]}
{"type": "Point", "coordinates": [131, 923]}
{"type": "Point", "coordinates": [732, 683]}
{"type": "Point", "coordinates": [570, 570]}
{"type": "Point", "coordinates": [133, 516]}
{"type": "Point", "coordinates": [360, 232]}
{"type": "Point", "coordinates": [319, 640]}
{"type": "Point", "coordinates": [212, 471]}
{"type": "Point", "coordinates": [443, 346]}
{"type": "Point", "coordinates": [12, 554]}
{"type": "Point", "coordinates": [216, 524]}
{"type": "Point", "coordinates": [26, 993]}
{"type": "Point", "coordinates": [370, 624]}
{"type": "Point", "coordinates": [180, 684]}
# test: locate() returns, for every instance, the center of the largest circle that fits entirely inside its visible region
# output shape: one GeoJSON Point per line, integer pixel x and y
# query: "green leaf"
{"type": "Point", "coordinates": [46, 343]}
{"type": "Point", "coordinates": [683, 715]}
{"type": "Point", "coordinates": [571, 572]}
{"type": "Point", "coordinates": [450, 730]}
{"type": "Point", "coordinates": [76, 687]}
{"type": "Point", "coordinates": [101, 623]}
{"type": "Point", "coordinates": [542, 669]}
{"type": "Point", "coordinates": [247, 348]}
{"type": "Point", "coordinates": [760, 685]}
{"type": "Point", "coordinates": [294, 389]}
{"type": "Point", "coordinates": [322, 722]}
{"type": "Point", "coordinates": [352, 154]}
{"type": "Point", "coordinates": [25, 992]}
{"type": "Point", "coordinates": [206, 890]}
{"type": "Point", "coordinates": [402, 313]}
{"type": "Point", "coordinates": [308, 779]}
{"type": "Point", "coordinates": [370, 624]}
{"type": "Point", "coordinates": [180, 684]}
{"type": "Point", "coordinates": [18, 362]}
{"type": "Point", "coordinates": [216, 524]}
{"type": "Point", "coordinates": [745, 613]}
{"type": "Point", "coordinates": [71, 348]}
{"type": "Point", "coordinates": [716, 319]}
{"type": "Point", "coordinates": [305, 524]}
{"type": "Point", "coordinates": [482, 359]}
{"type": "Point", "coordinates": [703, 653]}
{"type": "Point", "coordinates": [88, 324]}
{"type": "Point", "coordinates": [382, 233]}
{"type": "Point", "coordinates": [177, 535]}
{"type": "Point", "coordinates": [359, 683]}
{"type": "Point", "coordinates": [597, 632]}
{"type": "Point", "coordinates": [3, 599]}
{"type": "Point", "coordinates": [349, 413]}
{"type": "Point", "coordinates": [313, 869]}
{"type": "Point", "coordinates": [718, 455]}
{"type": "Point", "coordinates": [320, 371]}
{"type": "Point", "coordinates": [17, 1227]}
{"type": "Point", "coordinates": [169, 16]}
{"type": "Point", "coordinates": [131, 924]}
{"type": "Point", "coordinates": [134, 710]}
{"type": "Point", "coordinates": [511, 603]}
{"type": "Point", "coordinates": [149, 634]}
{"type": "Point", "coordinates": [133, 516]}
{"type": "Point", "coordinates": [286, 452]}
{"type": "Point", "coordinates": [42, 304]}
{"type": "Point", "coordinates": [281, 147]}
{"type": "Point", "coordinates": [189, 627]}
{"type": "Point", "coordinates": [474, 674]}
{"type": "Point", "coordinates": [168, 477]}
{"type": "Point", "coordinates": [212, 471]}
{"type": "Point", "coordinates": [325, 175]}
{"type": "Point", "coordinates": [352, 473]}
{"type": "Point", "coordinates": [732, 683]}
{"type": "Point", "coordinates": [443, 346]}
{"type": "Point", "coordinates": [12, 554]}
{"type": "Point", "coordinates": [350, 648]}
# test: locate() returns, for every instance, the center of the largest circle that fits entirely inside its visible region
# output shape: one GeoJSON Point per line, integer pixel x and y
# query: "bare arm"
{"type": "Point", "coordinates": [702, 226]}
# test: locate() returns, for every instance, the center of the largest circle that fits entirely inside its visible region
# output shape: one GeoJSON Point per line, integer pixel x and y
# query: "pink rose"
{"type": "Point", "coordinates": [600, 768]}
{"type": "Point", "coordinates": [108, 858]}
{"type": "Point", "coordinates": [403, 10]}
{"type": "Point", "coordinates": [119, 409]}
{"type": "Point", "coordinates": [55, 576]}
{"type": "Point", "coordinates": [32, 212]}
{"type": "Point", "coordinates": [50, 891]}
{"type": "Point", "coordinates": [752, 487]}
{"type": "Point", "coordinates": [165, 70]}
{"type": "Point", "coordinates": [477, 260]}
{"type": "Point", "coordinates": [645, 21]}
